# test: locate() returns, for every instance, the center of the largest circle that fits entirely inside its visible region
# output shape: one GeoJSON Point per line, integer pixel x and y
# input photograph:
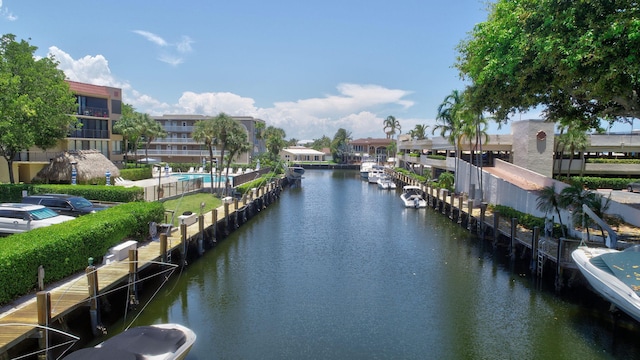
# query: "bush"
{"type": "Point", "coordinates": [13, 192]}
{"type": "Point", "coordinates": [601, 183]}
{"type": "Point", "coordinates": [63, 249]}
{"type": "Point", "coordinates": [526, 220]}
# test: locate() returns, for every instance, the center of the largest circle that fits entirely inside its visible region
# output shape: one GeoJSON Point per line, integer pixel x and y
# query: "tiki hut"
{"type": "Point", "coordinates": [91, 167]}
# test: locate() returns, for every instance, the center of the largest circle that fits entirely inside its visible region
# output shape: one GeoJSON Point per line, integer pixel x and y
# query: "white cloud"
{"type": "Point", "coordinates": [356, 108]}
{"type": "Point", "coordinates": [5, 13]}
{"type": "Point", "coordinates": [168, 54]}
{"type": "Point", "coordinates": [151, 37]}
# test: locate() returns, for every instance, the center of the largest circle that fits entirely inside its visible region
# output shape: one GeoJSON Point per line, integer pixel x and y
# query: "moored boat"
{"type": "Point", "coordinates": [157, 342]}
{"type": "Point", "coordinates": [385, 182]}
{"type": "Point", "coordinates": [613, 274]}
{"type": "Point", "coordinates": [412, 197]}
{"type": "Point", "coordinates": [294, 172]}
{"type": "Point", "coordinates": [366, 166]}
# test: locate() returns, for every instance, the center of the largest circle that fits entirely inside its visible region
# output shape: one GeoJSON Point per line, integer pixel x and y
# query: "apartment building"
{"type": "Point", "coordinates": [179, 146]}
{"type": "Point", "coordinates": [99, 107]}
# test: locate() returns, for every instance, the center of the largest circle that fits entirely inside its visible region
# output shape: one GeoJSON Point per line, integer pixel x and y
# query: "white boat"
{"type": "Point", "coordinates": [375, 174]}
{"type": "Point", "coordinates": [385, 182]}
{"type": "Point", "coordinates": [157, 342]}
{"type": "Point", "coordinates": [366, 166]}
{"type": "Point", "coordinates": [613, 274]}
{"type": "Point", "coordinates": [412, 197]}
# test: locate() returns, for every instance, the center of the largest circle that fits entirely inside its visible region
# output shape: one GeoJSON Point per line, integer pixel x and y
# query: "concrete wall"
{"type": "Point", "coordinates": [532, 149]}
{"type": "Point", "coordinates": [501, 192]}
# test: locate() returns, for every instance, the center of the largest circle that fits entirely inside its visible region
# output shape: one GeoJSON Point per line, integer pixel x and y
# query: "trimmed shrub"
{"type": "Point", "coordinates": [63, 249]}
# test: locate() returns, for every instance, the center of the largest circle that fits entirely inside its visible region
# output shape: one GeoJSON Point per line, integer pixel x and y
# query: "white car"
{"type": "Point", "coordinates": [17, 218]}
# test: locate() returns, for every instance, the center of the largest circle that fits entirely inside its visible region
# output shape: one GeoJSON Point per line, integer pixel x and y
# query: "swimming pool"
{"type": "Point", "coordinates": [206, 178]}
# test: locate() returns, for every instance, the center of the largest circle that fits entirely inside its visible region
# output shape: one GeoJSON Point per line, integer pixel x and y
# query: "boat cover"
{"type": "Point", "coordinates": [625, 265]}
{"type": "Point", "coordinates": [135, 343]}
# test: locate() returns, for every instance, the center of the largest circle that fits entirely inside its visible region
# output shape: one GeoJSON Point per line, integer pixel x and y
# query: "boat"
{"type": "Point", "coordinates": [613, 274]}
{"type": "Point", "coordinates": [375, 174]}
{"type": "Point", "coordinates": [294, 172]}
{"type": "Point", "coordinates": [385, 182]}
{"type": "Point", "coordinates": [157, 342]}
{"type": "Point", "coordinates": [412, 197]}
{"type": "Point", "coordinates": [366, 166]}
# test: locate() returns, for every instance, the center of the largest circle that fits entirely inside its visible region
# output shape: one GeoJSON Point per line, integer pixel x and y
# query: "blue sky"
{"type": "Point", "coordinates": [309, 67]}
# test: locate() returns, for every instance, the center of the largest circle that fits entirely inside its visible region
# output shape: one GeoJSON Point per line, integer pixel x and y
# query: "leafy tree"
{"type": "Point", "coordinates": [35, 102]}
{"type": "Point", "coordinates": [549, 200]}
{"type": "Point", "coordinates": [392, 149]}
{"type": "Point", "coordinates": [223, 124]}
{"type": "Point", "coordinates": [292, 142]}
{"type": "Point", "coordinates": [390, 126]}
{"type": "Point", "coordinates": [578, 60]}
{"type": "Point", "coordinates": [274, 139]}
{"type": "Point", "coordinates": [323, 142]}
{"type": "Point", "coordinates": [340, 145]}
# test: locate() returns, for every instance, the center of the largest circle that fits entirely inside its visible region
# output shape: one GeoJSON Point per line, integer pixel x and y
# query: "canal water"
{"type": "Point", "coordinates": [339, 269]}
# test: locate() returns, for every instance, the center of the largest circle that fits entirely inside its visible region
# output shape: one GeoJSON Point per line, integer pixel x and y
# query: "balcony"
{"type": "Point", "coordinates": [89, 134]}
{"type": "Point", "coordinates": [94, 111]}
{"type": "Point", "coordinates": [156, 152]}
{"type": "Point", "coordinates": [178, 128]}
{"type": "Point", "coordinates": [174, 141]}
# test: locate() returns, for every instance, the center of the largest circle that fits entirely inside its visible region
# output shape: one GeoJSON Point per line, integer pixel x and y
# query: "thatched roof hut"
{"type": "Point", "coordinates": [90, 165]}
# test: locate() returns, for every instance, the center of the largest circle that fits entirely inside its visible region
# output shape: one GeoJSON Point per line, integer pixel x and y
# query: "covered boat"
{"type": "Point", "coordinates": [412, 197]}
{"type": "Point", "coordinates": [157, 342]}
{"type": "Point", "coordinates": [613, 274]}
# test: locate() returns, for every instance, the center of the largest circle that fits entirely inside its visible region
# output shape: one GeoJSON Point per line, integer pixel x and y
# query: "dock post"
{"type": "Point", "coordinates": [469, 214]}
{"type": "Point", "coordinates": [214, 225]}
{"type": "Point", "coordinates": [445, 193]}
{"type": "Point", "coordinates": [163, 247]}
{"type": "Point", "coordinates": [512, 247]}
{"type": "Point", "coordinates": [534, 249]}
{"type": "Point", "coordinates": [237, 222]}
{"type": "Point", "coordinates": [92, 280]}
{"type": "Point", "coordinates": [483, 215]}
{"type": "Point", "coordinates": [460, 209]}
{"type": "Point", "coordinates": [201, 232]}
{"type": "Point", "coordinates": [183, 235]}
{"type": "Point", "coordinates": [558, 266]}
{"type": "Point", "coordinates": [43, 303]}
{"type": "Point", "coordinates": [133, 278]}
{"type": "Point", "coordinates": [226, 219]}
{"type": "Point", "coordinates": [496, 227]}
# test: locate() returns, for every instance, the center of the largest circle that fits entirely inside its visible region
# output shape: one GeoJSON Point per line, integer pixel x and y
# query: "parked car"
{"type": "Point", "coordinates": [64, 204]}
{"type": "Point", "coordinates": [17, 218]}
{"type": "Point", "coordinates": [634, 187]}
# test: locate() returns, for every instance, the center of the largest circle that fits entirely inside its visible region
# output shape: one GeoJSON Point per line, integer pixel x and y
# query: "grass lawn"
{"type": "Point", "coordinates": [191, 203]}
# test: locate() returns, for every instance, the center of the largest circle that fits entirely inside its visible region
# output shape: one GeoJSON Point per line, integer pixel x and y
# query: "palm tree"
{"type": "Point", "coordinates": [274, 139]}
{"type": "Point", "coordinates": [572, 198]}
{"type": "Point", "coordinates": [575, 139]}
{"type": "Point", "coordinates": [151, 130]}
{"type": "Point", "coordinates": [237, 143]}
{"type": "Point", "coordinates": [448, 122]}
{"type": "Point", "coordinates": [559, 148]}
{"type": "Point", "coordinates": [126, 127]}
{"type": "Point", "coordinates": [204, 132]}
{"type": "Point", "coordinates": [392, 125]}
{"type": "Point", "coordinates": [549, 200]}
{"type": "Point", "coordinates": [419, 132]}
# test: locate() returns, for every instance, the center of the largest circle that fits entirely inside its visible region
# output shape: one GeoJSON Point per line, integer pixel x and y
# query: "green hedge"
{"type": "Point", "coordinates": [603, 183]}
{"type": "Point", "coordinates": [136, 173]}
{"type": "Point", "coordinates": [63, 249]}
{"type": "Point", "coordinates": [526, 220]}
{"type": "Point", "coordinates": [13, 192]}
{"type": "Point", "coordinates": [613, 161]}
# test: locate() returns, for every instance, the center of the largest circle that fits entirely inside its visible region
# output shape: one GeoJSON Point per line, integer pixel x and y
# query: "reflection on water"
{"type": "Point", "coordinates": [340, 269]}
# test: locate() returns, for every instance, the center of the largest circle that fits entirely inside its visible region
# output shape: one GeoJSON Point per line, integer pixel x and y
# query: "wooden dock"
{"type": "Point", "coordinates": [18, 322]}
{"type": "Point", "coordinates": [504, 232]}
